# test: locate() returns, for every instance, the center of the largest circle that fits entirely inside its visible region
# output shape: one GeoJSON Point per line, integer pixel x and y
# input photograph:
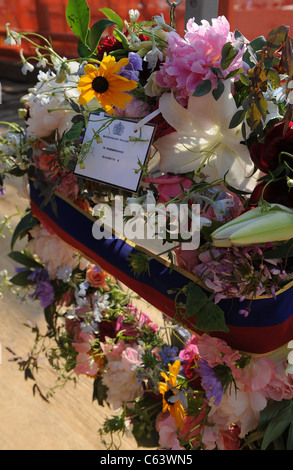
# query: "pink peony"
{"type": "Point", "coordinates": [189, 60]}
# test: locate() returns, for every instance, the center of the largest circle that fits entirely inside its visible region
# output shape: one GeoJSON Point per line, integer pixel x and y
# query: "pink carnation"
{"type": "Point", "coordinates": [189, 60]}
{"type": "Point", "coordinates": [67, 185]}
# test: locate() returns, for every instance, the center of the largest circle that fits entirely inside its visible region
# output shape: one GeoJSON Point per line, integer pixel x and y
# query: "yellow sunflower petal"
{"type": "Point", "coordinates": [178, 413]}
{"type": "Point", "coordinates": [90, 69]}
{"type": "Point", "coordinates": [86, 96]}
{"type": "Point", "coordinates": [121, 63]}
{"type": "Point", "coordinates": [107, 65]}
{"type": "Point", "coordinates": [122, 83]}
{"type": "Point", "coordinates": [84, 81]}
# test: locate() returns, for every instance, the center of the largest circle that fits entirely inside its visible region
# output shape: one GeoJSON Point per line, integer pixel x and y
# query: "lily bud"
{"type": "Point", "coordinates": [257, 226]}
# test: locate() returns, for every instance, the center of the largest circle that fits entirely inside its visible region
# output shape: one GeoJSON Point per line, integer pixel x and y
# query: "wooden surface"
{"type": "Point", "coordinates": [71, 420]}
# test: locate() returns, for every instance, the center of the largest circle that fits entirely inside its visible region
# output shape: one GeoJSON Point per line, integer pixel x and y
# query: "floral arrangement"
{"type": "Point", "coordinates": [222, 110]}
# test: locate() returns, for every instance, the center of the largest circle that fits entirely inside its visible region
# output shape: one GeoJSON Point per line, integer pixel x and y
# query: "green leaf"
{"type": "Point", "coordinates": [78, 18]}
{"type": "Point", "coordinates": [26, 224]}
{"type": "Point", "coordinates": [274, 78]}
{"type": "Point", "coordinates": [208, 316]}
{"type": "Point", "coordinates": [99, 391]}
{"type": "Point", "coordinates": [237, 118]}
{"type": "Point", "coordinates": [122, 38]}
{"type": "Point", "coordinates": [277, 37]}
{"type": "Point", "coordinates": [289, 444]}
{"type": "Point", "coordinates": [228, 55]}
{"type": "Point", "coordinates": [111, 15]}
{"type": "Point", "coordinates": [74, 132]}
{"type": "Point", "coordinates": [211, 318]}
{"type": "Point", "coordinates": [217, 92]}
{"type": "Point", "coordinates": [83, 51]}
{"type": "Point", "coordinates": [196, 299]}
{"type": "Point", "coordinates": [96, 33]}
{"type": "Point", "coordinates": [21, 279]}
{"type": "Point", "coordinates": [244, 79]}
{"type": "Point", "coordinates": [277, 426]}
{"type": "Point", "coordinates": [203, 88]}
{"type": "Point", "coordinates": [24, 259]}
{"type": "Point", "coordinates": [254, 116]}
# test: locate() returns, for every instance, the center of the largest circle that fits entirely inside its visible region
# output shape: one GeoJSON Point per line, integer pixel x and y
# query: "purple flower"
{"type": "Point", "coordinates": [45, 293]}
{"type": "Point", "coordinates": [131, 70]}
{"type": "Point", "coordinates": [2, 191]}
{"type": "Point", "coordinates": [169, 354]}
{"type": "Point", "coordinates": [39, 275]}
{"type": "Point", "coordinates": [210, 382]}
{"type": "Point", "coordinates": [44, 289]}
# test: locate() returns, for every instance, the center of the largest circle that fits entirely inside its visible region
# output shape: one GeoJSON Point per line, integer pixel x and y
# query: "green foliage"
{"type": "Point", "coordinates": [203, 88]}
{"type": "Point", "coordinates": [78, 18]}
{"type": "Point", "coordinates": [21, 230]}
{"type": "Point", "coordinates": [208, 315]}
{"type": "Point", "coordinates": [276, 420]}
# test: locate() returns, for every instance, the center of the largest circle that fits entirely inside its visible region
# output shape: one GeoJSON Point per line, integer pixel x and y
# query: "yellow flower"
{"type": "Point", "coordinates": [104, 84]}
{"type": "Point", "coordinates": [168, 389]}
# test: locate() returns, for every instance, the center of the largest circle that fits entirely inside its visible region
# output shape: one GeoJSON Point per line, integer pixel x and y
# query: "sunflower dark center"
{"type": "Point", "coordinates": [100, 84]}
{"type": "Point", "coordinates": [168, 395]}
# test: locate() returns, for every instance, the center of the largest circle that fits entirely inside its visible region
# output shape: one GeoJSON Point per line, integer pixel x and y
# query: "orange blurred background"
{"type": "Point", "coordinates": [47, 17]}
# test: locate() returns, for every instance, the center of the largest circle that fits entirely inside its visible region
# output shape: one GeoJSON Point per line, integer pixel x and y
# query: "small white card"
{"type": "Point", "coordinates": [115, 150]}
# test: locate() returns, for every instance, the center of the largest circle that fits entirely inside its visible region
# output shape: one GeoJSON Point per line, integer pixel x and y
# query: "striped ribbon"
{"type": "Point", "coordinates": [268, 326]}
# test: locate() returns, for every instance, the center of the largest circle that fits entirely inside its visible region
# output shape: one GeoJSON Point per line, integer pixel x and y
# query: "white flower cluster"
{"type": "Point", "coordinates": [48, 103]}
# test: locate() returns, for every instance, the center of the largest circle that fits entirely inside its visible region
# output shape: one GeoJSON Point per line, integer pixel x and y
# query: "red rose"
{"type": "Point", "coordinates": [272, 156]}
{"type": "Point", "coordinates": [108, 44]}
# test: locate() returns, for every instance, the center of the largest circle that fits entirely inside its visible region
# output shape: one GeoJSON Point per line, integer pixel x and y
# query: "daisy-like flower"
{"type": "Point", "coordinates": [172, 394]}
{"type": "Point", "coordinates": [105, 85]}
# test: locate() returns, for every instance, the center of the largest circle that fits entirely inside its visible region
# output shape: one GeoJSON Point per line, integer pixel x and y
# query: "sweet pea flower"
{"type": "Point", "coordinates": [203, 141]}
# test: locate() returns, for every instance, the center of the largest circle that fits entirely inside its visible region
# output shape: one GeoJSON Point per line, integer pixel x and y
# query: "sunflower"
{"type": "Point", "coordinates": [168, 390]}
{"type": "Point", "coordinates": [104, 84]}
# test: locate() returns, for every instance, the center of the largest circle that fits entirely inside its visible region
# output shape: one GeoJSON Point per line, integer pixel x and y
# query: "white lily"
{"type": "Point", "coordinates": [203, 141]}
{"type": "Point", "coordinates": [257, 226]}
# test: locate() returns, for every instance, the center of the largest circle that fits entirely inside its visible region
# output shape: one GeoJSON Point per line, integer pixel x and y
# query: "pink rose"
{"type": "Point", "coordinates": [280, 386]}
{"type": "Point", "coordinates": [131, 357]}
{"type": "Point", "coordinates": [170, 186]}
